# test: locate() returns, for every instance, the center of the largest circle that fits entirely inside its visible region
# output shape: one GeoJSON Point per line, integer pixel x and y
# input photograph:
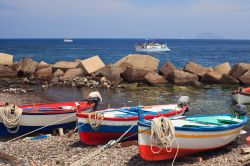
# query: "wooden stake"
{"type": "Point", "coordinates": [61, 133]}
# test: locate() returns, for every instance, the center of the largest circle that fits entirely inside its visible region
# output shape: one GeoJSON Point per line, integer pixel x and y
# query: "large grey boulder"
{"type": "Point", "coordinates": [245, 78]}
{"type": "Point", "coordinates": [178, 77]}
{"type": "Point", "coordinates": [91, 65]}
{"type": "Point", "coordinates": [64, 65]}
{"type": "Point", "coordinates": [154, 78]}
{"type": "Point", "coordinates": [110, 72]}
{"type": "Point", "coordinates": [238, 70]}
{"type": "Point", "coordinates": [223, 68]}
{"type": "Point", "coordinates": [227, 79]}
{"type": "Point", "coordinates": [26, 66]}
{"type": "Point", "coordinates": [211, 77]}
{"type": "Point", "coordinates": [138, 61]}
{"type": "Point", "coordinates": [7, 72]}
{"type": "Point", "coordinates": [72, 73]}
{"type": "Point", "coordinates": [42, 65]}
{"type": "Point", "coordinates": [167, 68]}
{"type": "Point", "coordinates": [195, 68]}
{"type": "Point", "coordinates": [44, 73]}
{"type": "Point", "coordinates": [133, 74]}
{"type": "Point", "coordinates": [6, 59]}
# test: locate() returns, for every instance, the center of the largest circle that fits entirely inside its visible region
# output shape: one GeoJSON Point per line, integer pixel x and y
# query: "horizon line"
{"type": "Point", "coordinates": [61, 38]}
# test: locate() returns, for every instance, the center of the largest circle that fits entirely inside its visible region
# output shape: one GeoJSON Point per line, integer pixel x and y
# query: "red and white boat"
{"type": "Point", "coordinates": [112, 123]}
{"type": "Point", "coordinates": [35, 116]}
{"type": "Point", "coordinates": [241, 95]}
{"type": "Point", "coordinates": [189, 135]}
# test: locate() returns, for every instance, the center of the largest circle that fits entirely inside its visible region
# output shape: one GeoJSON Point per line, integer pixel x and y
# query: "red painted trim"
{"type": "Point", "coordinates": [55, 108]}
{"type": "Point", "coordinates": [245, 92]}
{"type": "Point", "coordinates": [97, 138]}
{"type": "Point", "coordinates": [147, 154]}
{"type": "Point", "coordinates": [133, 118]}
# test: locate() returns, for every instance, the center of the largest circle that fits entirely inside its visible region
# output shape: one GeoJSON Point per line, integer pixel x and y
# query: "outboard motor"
{"type": "Point", "coordinates": [94, 98]}
{"type": "Point", "coordinates": [240, 110]}
{"type": "Point", "coordinates": [184, 101]}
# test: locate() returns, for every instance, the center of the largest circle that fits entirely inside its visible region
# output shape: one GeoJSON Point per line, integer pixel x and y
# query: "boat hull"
{"type": "Point", "coordinates": [189, 142]}
{"type": "Point", "coordinates": [111, 128]}
{"type": "Point", "coordinates": [241, 98]}
{"type": "Point", "coordinates": [40, 115]}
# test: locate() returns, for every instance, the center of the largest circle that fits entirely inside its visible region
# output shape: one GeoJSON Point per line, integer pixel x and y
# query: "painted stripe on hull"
{"type": "Point", "coordinates": [189, 142]}
{"type": "Point", "coordinates": [96, 138]}
{"type": "Point", "coordinates": [146, 153]}
{"type": "Point", "coordinates": [25, 129]}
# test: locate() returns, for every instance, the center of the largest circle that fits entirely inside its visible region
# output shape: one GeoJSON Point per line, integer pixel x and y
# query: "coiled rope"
{"type": "Point", "coordinates": [95, 119]}
{"type": "Point", "coordinates": [163, 136]}
{"type": "Point", "coordinates": [11, 116]}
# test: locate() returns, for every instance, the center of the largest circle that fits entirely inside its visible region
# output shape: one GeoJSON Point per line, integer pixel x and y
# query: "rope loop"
{"type": "Point", "coordinates": [95, 119]}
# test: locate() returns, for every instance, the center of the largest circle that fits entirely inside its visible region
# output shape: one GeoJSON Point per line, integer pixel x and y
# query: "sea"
{"type": "Point", "coordinates": [205, 52]}
{"type": "Point", "coordinates": [211, 99]}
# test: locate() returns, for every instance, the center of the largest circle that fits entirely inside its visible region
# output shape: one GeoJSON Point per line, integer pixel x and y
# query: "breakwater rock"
{"type": "Point", "coordinates": [92, 72]}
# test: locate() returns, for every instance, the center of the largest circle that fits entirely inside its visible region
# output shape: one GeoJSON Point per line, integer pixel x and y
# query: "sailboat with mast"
{"type": "Point", "coordinates": [68, 39]}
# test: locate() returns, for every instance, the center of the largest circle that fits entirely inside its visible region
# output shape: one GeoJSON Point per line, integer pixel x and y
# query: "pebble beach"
{"type": "Point", "coordinates": [61, 150]}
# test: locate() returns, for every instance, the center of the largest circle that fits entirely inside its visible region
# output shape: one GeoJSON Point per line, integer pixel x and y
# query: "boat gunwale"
{"type": "Point", "coordinates": [134, 118]}
{"type": "Point", "coordinates": [202, 128]}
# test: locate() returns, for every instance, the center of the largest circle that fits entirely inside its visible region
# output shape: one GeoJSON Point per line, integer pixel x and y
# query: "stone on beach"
{"type": "Point", "coordinates": [64, 65]}
{"type": "Point", "coordinates": [58, 73]}
{"type": "Point", "coordinates": [211, 77]}
{"type": "Point", "coordinates": [223, 68]}
{"type": "Point", "coordinates": [245, 65]}
{"type": "Point", "coordinates": [227, 79]}
{"type": "Point", "coordinates": [7, 72]}
{"type": "Point", "coordinates": [91, 65]}
{"type": "Point", "coordinates": [144, 62]}
{"type": "Point", "coordinates": [238, 70]}
{"type": "Point", "coordinates": [154, 78]}
{"type": "Point", "coordinates": [167, 68]}
{"type": "Point", "coordinates": [195, 68]}
{"type": "Point", "coordinates": [42, 65]}
{"type": "Point", "coordinates": [111, 73]}
{"type": "Point", "coordinates": [72, 73]}
{"type": "Point", "coordinates": [26, 66]}
{"type": "Point", "coordinates": [133, 74]}
{"type": "Point", "coordinates": [245, 78]}
{"type": "Point", "coordinates": [44, 73]}
{"type": "Point", "coordinates": [178, 77]}
{"type": "Point", "coordinates": [6, 59]}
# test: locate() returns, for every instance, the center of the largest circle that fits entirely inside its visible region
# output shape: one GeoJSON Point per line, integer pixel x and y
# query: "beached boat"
{"type": "Point", "coordinates": [105, 125]}
{"type": "Point", "coordinates": [35, 116]}
{"type": "Point", "coordinates": [186, 135]}
{"type": "Point", "coordinates": [152, 47]}
{"type": "Point", "coordinates": [241, 95]}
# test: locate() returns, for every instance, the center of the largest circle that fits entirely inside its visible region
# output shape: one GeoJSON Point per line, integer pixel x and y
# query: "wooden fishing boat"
{"type": "Point", "coordinates": [35, 116]}
{"type": "Point", "coordinates": [241, 95]}
{"type": "Point", "coordinates": [192, 134]}
{"type": "Point", "coordinates": [102, 126]}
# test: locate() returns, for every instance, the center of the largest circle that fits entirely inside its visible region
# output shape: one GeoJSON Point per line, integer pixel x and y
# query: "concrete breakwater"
{"type": "Point", "coordinates": [92, 72]}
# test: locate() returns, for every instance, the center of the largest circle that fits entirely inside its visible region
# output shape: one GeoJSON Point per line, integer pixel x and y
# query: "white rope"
{"type": "Point", "coordinates": [163, 135]}
{"type": "Point", "coordinates": [95, 119]}
{"type": "Point", "coordinates": [10, 116]}
{"type": "Point", "coordinates": [41, 128]}
{"type": "Point", "coordinates": [95, 153]}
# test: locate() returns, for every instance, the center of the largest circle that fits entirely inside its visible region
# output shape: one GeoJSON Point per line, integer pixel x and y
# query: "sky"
{"type": "Point", "coordinates": [226, 19]}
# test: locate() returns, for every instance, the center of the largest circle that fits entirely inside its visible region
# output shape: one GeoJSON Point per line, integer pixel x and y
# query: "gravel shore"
{"type": "Point", "coordinates": [57, 150]}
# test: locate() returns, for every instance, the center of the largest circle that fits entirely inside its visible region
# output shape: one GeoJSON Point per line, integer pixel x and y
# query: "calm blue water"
{"type": "Point", "coordinates": [206, 52]}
